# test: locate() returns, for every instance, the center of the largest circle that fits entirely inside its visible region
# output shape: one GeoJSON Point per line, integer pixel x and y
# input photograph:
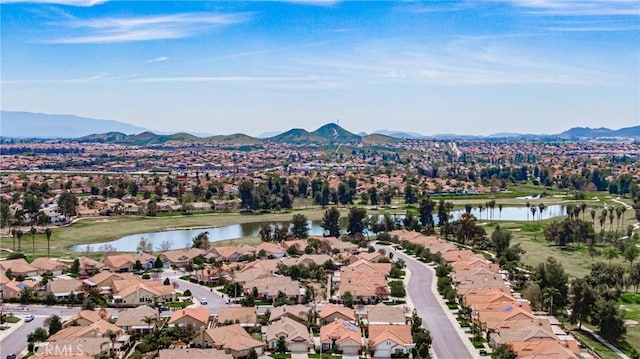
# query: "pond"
{"type": "Point", "coordinates": [182, 238]}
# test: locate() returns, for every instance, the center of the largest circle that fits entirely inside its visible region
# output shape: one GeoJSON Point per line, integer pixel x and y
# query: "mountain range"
{"type": "Point", "coordinates": [37, 125]}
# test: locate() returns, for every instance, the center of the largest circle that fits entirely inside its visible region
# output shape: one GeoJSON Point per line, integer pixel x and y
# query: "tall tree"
{"type": "Point", "coordinates": [246, 193]}
{"type": "Point", "coordinates": [552, 279]}
{"type": "Point", "coordinates": [582, 299]}
{"type": "Point", "coordinates": [48, 232]}
{"type": "Point", "coordinates": [32, 230]}
{"type": "Point", "coordinates": [426, 211]}
{"type": "Point", "coordinates": [331, 222]}
{"type": "Point", "coordinates": [609, 320]}
{"type": "Point", "coordinates": [300, 226]}
{"type": "Point", "coordinates": [67, 203]}
{"type": "Point", "coordinates": [356, 220]}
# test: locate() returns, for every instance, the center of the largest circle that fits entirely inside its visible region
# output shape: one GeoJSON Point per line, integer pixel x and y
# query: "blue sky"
{"type": "Point", "coordinates": [467, 67]}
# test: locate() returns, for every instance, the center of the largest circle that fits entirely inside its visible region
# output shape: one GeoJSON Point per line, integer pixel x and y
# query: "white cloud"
{"type": "Point", "coordinates": [578, 7]}
{"type": "Point", "coordinates": [158, 59]}
{"type": "Point", "coordinates": [80, 3]}
{"type": "Point", "coordinates": [313, 2]}
{"type": "Point", "coordinates": [144, 28]}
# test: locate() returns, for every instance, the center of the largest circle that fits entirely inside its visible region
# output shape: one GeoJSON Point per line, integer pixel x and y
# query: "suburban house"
{"type": "Point", "coordinates": [295, 334]}
{"type": "Point", "coordinates": [386, 340]}
{"type": "Point", "coordinates": [333, 244]}
{"type": "Point", "coordinates": [180, 257]}
{"type": "Point", "coordinates": [13, 289]}
{"type": "Point", "coordinates": [87, 317]}
{"type": "Point", "coordinates": [88, 265]}
{"type": "Point", "coordinates": [269, 288]}
{"type": "Point", "coordinates": [384, 314]}
{"type": "Point", "coordinates": [244, 316]}
{"type": "Point", "coordinates": [104, 280]}
{"type": "Point", "coordinates": [63, 288]}
{"type": "Point", "coordinates": [119, 263]}
{"type": "Point", "coordinates": [330, 313]}
{"type": "Point", "coordinates": [94, 330]}
{"type": "Point", "coordinates": [317, 259]}
{"type": "Point", "coordinates": [297, 312]}
{"type": "Point", "coordinates": [233, 339]}
{"type": "Point", "coordinates": [343, 335]}
{"type": "Point", "coordinates": [193, 353]}
{"type": "Point", "coordinates": [225, 254]}
{"type": "Point", "coordinates": [197, 317]}
{"type": "Point", "coordinates": [299, 246]}
{"type": "Point", "coordinates": [19, 267]}
{"type": "Point", "coordinates": [137, 291]}
{"type": "Point", "coordinates": [135, 319]}
{"type": "Point", "coordinates": [270, 249]}
{"type": "Point", "coordinates": [50, 266]}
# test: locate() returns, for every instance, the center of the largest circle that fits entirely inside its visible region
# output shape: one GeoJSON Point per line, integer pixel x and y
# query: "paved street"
{"type": "Point", "coordinates": [16, 341]}
{"type": "Point", "coordinates": [446, 340]}
{"type": "Point", "coordinates": [214, 300]}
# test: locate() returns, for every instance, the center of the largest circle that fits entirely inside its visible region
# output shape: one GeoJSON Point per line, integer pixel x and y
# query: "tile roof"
{"type": "Point", "coordinates": [232, 337]}
{"type": "Point", "coordinates": [201, 314]}
{"type": "Point", "coordinates": [399, 334]}
{"type": "Point", "coordinates": [340, 331]}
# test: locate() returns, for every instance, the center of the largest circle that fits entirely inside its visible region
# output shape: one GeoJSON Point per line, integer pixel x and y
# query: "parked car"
{"type": "Point", "coordinates": [11, 356]}
{"type": "Point", "coordinates": [203, 301]}
{"type": "Point", "coordinates": [28, 318]}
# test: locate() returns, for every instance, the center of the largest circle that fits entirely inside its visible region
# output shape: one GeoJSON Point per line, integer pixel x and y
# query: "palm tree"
{"type": "Point", "coordinates": [623, 209]}
{"type": "Point", "coordinates": [541, 208]}
{"type": "Point", "coordinates": [593, 215]}
{"type": "Point", "coordinates": [33, 240]}
{"type": "Point", "coordinates": [618, 215]}
{"type": "Point", "coordinates": [13, 235]}
{"type": "Point", "coordinates": [500, 210]}
{"type": "Point", "coordinates": [611, 216]}
{"type": "Point", "coordinates": [576, 212]}
{"type": "Point", "coordinates": [533, 213]}
{"type": "Point", "coordinates": [468, 208]}
{"type": "Point", "coordinates": [19, 234]}
{"type": "Point", "coordinates": [528, 206]}
{"type": "Point", "coordinates": [112, 337]}
{"type": "Point", "coordinates": [480, 208]}
{"type": "Point", "coordinates": [48, 233]}
{"type": "Point", "coordinates": [602, 219]}
{"type": "Point", "coordinates": [149, 320]}
{"type": "Point", "coordinates": [583, 208]}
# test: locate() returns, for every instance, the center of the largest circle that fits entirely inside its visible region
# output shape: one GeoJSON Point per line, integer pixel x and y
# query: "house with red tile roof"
{"type": "Point", "coordinates": [387, 340]}
{"type": "Point", "coordinates": [196, 317]}
{"type": "Point", "coordinates": [344, 335]}
{"type": "Point", "coordinates": [233, 339]}
{"type": "Point", "coordinates": [295, 334]}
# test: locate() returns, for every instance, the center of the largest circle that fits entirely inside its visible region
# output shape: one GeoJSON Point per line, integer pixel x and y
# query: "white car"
{"type": "Point", "coordinates": [28, 318]}
{"type": "Point", "coordinates": [203, 301]}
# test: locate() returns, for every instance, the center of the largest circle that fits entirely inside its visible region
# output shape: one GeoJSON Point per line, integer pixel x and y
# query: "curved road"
{"type": "Point", "coordinates": [446, 341]}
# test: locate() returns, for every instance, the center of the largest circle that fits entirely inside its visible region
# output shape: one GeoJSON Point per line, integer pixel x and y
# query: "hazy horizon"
{"type": "Point", "coordinates": [463, 67]}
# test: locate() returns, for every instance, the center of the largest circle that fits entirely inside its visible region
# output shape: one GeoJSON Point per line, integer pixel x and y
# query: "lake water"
{"type": "Point", "coordinates": [182, 238]}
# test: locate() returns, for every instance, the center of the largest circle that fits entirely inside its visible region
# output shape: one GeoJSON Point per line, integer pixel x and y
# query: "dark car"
{"type": "Point", "coordinates": [11, 356]}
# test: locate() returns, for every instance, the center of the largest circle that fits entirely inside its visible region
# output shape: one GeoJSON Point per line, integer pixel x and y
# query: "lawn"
{"type": "Point", "coordinates": [10, 319]}
{"type": "Point", "coordinates": [586, 338]}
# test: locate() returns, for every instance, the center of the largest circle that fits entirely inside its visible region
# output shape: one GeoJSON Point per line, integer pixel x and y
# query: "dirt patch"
{"type": "Point", "coordinates": [631, 322]}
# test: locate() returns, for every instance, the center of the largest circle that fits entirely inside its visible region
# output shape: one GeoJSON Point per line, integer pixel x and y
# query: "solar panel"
{"type": "Point", "coordinates": [350, 326]}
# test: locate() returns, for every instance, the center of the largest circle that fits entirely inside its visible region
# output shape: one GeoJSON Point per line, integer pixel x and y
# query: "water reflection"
{"type": "Point", "coordinates": [183, 238]}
